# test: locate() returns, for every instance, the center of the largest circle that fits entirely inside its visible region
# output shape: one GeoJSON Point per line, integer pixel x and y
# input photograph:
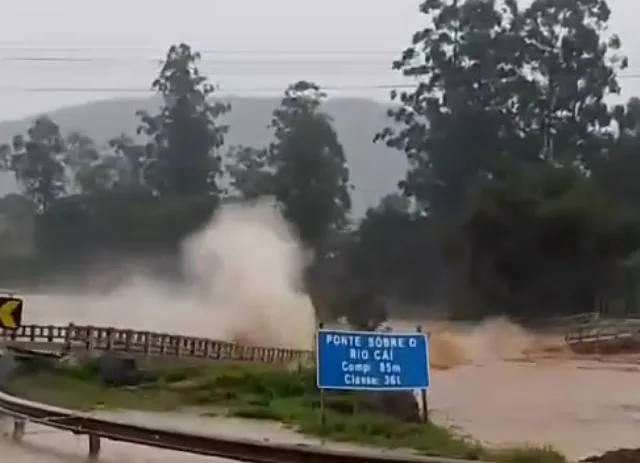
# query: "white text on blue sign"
{"type": "Point", "coordinates": [369, 360]}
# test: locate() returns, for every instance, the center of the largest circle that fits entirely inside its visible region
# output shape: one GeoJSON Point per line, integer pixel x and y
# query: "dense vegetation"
{"type": "Point", "coordinates": [520, 197]}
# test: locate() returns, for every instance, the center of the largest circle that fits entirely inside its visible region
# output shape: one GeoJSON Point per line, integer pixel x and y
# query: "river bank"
{"type": "Point", "coordinates": [254, 392]}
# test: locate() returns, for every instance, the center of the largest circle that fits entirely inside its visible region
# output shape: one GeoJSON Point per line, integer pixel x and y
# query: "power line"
{"type": "Point", "coordinates": [257, 60]}
{"type": "Point", "coordinates": [241, 62]}
{"type": "Point", "coordinates": [244, 62]}
{"type": "Point", "coordinates": [73, 89]}
{"type": "Point", "coordinates": [206, 66]}
{"type": "Point", "coordinates": [10, 89]}
{"type": "Point", "coordinates": [243, 67]}
{"type": "Point", "coordinates": [221, 66]}
{"type": "Point", "coordinates": [255, 51]}
{"type": "Point", "coordinates": [214, 73]}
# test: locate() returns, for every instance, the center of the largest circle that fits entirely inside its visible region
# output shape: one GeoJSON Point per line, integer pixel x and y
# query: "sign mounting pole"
{"type": "Point", "coordinates": [323, 418]}
{"type": "Point", "coordinates": [372, 361]}
{"type": "Point", "coordinates": [423, 391]}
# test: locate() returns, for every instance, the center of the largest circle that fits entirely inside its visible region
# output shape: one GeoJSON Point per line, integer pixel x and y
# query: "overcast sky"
{"type": "Point", "coordinates": [345, 45]}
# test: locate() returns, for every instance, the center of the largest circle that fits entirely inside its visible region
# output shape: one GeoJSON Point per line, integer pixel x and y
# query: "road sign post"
{"type": "Point", "coordinates": [372, 361]}
{"type": "Point", "coordinates": [423, 392]}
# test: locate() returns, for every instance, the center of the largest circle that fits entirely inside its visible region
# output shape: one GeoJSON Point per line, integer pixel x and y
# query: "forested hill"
{"type": "Point", "coordinates": [375, 169]}
{"type": "Point", "coordinates": [520, 194]}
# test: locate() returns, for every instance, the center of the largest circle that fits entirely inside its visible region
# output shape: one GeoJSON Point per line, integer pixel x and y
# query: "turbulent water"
{"type": "Point", "coordinates": [494, 381]}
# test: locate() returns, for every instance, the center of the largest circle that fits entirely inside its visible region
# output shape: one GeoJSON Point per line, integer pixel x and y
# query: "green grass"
{"type": "Point", "coordinates": [257, 392]}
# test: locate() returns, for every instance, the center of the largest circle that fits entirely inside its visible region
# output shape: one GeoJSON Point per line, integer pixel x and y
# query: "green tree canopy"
{"type": "Point", "coordinates": [184, 135]}
{"type": "Point", "coordinates": [310, 172]}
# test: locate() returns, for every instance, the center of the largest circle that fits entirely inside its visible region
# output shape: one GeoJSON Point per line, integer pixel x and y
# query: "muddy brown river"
{"type": "Point", "coordinates": [494, 381]}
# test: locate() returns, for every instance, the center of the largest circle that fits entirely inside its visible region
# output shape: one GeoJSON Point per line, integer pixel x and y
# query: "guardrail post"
{"type": "Point", "coordinates": [110, 335]}
{"type": "Point", "coordinates": [94, 447]}
{"type": "Point", "coordinates": [146, 338]}
{"type": "Point", "coordinates": [164, 341]}
{"type": "Point", "coordinates": [68, 335]}
{"type": "Point", "coordinates": [129, 340]}
{"type": "Point", "coordinates": [19, 425]}
{"type": "Point", "coordinates": [207, 349]}
{"type": "Point", "coordinates": [90, 336]}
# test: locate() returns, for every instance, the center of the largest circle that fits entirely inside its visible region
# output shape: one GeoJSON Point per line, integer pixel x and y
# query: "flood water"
{"type": "Point", "coordinates": [490, 381]}
{"type": "Point", "coordinates": [579, 410]}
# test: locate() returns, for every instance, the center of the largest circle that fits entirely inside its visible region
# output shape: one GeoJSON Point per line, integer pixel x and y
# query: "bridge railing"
{"type": "Point", "coordinates": [582, 328]}
{"type": "Point", "coordinates": [604, 330]}
{"type": "Point", "coordinates": [150, 344]}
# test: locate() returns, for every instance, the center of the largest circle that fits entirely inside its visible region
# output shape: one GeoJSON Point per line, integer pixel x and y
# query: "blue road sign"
{"type": "Point", "coordinates": [370, 360]}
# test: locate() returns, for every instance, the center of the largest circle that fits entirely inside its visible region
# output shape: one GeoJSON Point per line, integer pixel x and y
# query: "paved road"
{"type": "Point", "coordinates": [44, 445]}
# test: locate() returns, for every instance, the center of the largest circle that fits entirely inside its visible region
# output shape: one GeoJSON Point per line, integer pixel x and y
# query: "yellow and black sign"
{"type": "Point", "coordinates": [10, 312]}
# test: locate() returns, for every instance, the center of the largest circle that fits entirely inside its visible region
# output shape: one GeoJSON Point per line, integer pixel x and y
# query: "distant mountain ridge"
{"type": "Point", "coordinates": [375, 169]}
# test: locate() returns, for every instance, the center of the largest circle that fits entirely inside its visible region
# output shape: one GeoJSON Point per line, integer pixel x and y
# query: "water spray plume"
{"type": "Point", "coordinates": [243, 284]}
{"type": "Point", "coordinates": [243, 272]}
{"type": "Point", "coordinates": [494, 340]}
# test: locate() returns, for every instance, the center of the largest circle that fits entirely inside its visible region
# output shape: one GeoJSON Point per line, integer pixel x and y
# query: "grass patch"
{"type": "Point", "coordinates": [257, 392]}
{"type": "Point", "coordinates": [78, 394]}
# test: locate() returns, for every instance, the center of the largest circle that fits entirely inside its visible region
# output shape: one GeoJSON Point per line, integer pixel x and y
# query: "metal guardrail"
{"type": "Point", "coordinates": [149, 344]}
{"type": "Point", "coordinates": [244, 450]}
